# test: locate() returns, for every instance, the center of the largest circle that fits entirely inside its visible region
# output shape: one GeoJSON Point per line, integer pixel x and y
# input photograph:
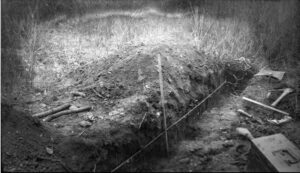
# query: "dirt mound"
{"type": "Point", "coordinates": [130, 80]}
{"type": "Point", "coordinates": [126, 86]}
{"type": "Point", "coordinates": [23, 143]}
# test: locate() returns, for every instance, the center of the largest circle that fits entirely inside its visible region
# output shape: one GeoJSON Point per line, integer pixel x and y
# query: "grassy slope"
{"type": "Point", "coordinates": [264, 32]}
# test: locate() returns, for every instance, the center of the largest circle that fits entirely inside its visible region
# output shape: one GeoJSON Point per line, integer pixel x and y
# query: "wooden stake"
{"type": "Point", "coordinates": [163, 101]}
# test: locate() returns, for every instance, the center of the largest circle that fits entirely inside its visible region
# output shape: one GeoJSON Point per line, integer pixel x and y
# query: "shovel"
{"type": "Point", "coordinates": [267, 72]}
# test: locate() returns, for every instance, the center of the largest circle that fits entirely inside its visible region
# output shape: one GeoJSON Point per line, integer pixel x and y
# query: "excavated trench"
{"type": "Point", "coordinates": [135, 115]}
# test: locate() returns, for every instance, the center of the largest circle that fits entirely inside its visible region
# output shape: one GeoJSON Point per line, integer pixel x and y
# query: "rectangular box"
{"type": "Point", "coordinates": [274, 153]}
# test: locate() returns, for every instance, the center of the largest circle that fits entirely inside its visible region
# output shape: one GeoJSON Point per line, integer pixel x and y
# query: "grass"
{"type": "Point", "coordinates": [245, 29]}
{"type": "Point", "coordinates": [48, 48]}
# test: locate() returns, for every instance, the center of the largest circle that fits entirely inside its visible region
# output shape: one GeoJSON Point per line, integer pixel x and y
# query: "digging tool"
{"type": "Point", "coordinates": [250, 116]}
{"type": "Point", "coordinates": [284, 93]}
{"type": "Point", "coordinates": [265, 106]}
{"type": "Point", "coordinates": [274, 153]}
{"type": "Point", "coordinates": [267, 72]}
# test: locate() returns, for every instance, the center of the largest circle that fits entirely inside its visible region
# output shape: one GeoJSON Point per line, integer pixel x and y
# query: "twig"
{"type": "Point", "coordinates": [51, 111]}
{"type": "Point", "coordinates": [143, 120]}
{"type": "Point", "coordinates": [50, 118]}
{"type": "Point", "coordinates": [97, 93]}
{"type": "Point", "coordinates": [77, 93]}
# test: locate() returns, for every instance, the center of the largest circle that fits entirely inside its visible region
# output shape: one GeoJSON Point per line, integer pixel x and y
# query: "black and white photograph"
{"type": "Point", "coordinates": [150, 85]}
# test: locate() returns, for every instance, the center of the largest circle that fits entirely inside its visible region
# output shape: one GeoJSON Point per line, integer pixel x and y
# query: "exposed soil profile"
{"type": "Point", "coordinates": [107, 61]}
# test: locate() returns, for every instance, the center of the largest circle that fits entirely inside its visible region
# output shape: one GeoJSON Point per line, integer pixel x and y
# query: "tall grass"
{"type": "Point", "coordinates": [258, 30]}
{"type": "Point", "coordinates": [47, 39]}
{"type": "Point", "coordinates": [19, 41]}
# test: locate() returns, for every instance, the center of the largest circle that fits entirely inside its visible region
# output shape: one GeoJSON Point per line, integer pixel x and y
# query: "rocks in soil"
{"type": "Point", "coordinates": [85, 124]}
{"type": "Point", "coordinates": [58, 125]}
{"type": "Point", "coordinates": [89, 117]}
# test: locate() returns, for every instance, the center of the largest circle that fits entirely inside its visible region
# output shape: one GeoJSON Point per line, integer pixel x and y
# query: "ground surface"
{"type": "Point", "coordinates": [120, 83]}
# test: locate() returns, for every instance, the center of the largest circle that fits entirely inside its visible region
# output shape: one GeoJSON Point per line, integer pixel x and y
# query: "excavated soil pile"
{"type": "Point", "coordinates": [124, 91]}
{"type": "Point", "coordinates": [126, 85]}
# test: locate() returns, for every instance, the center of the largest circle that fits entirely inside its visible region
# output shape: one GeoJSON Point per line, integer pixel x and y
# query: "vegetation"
{"type": "Point", "coordinates": [43, 40]}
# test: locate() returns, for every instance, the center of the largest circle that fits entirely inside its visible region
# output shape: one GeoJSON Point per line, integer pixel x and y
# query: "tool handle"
{"type": "Point", "coordinates": [284, 93]}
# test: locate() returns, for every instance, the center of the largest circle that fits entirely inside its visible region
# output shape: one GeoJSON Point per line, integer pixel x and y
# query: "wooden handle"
{"type": "Point", "coordinates": [284, 93]}
{"type": "Point", "coordinates": [265, 106]}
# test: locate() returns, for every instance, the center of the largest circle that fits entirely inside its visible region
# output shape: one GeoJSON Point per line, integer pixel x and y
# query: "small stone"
{"type": "Point", "coordinates": [58, 125]}
{"type": "Point", "coordinates": [73, 107]}
{"type": "Point", "coordinates": [49, 150]}
{"type": "Point", "coordinates": [228, 143]}
{"type": "Point", "coordinates": [90, 117]}
{"type": "Point", "coordinates": [85, 124]}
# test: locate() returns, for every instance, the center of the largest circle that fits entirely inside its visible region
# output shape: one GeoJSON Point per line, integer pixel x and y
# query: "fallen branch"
{"type": "Point", "coordinates": [265, 106]}
{"type": "Point", "coordinates": [51, 111]}
{"type": "Point", "coordinates": [50, 118]}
